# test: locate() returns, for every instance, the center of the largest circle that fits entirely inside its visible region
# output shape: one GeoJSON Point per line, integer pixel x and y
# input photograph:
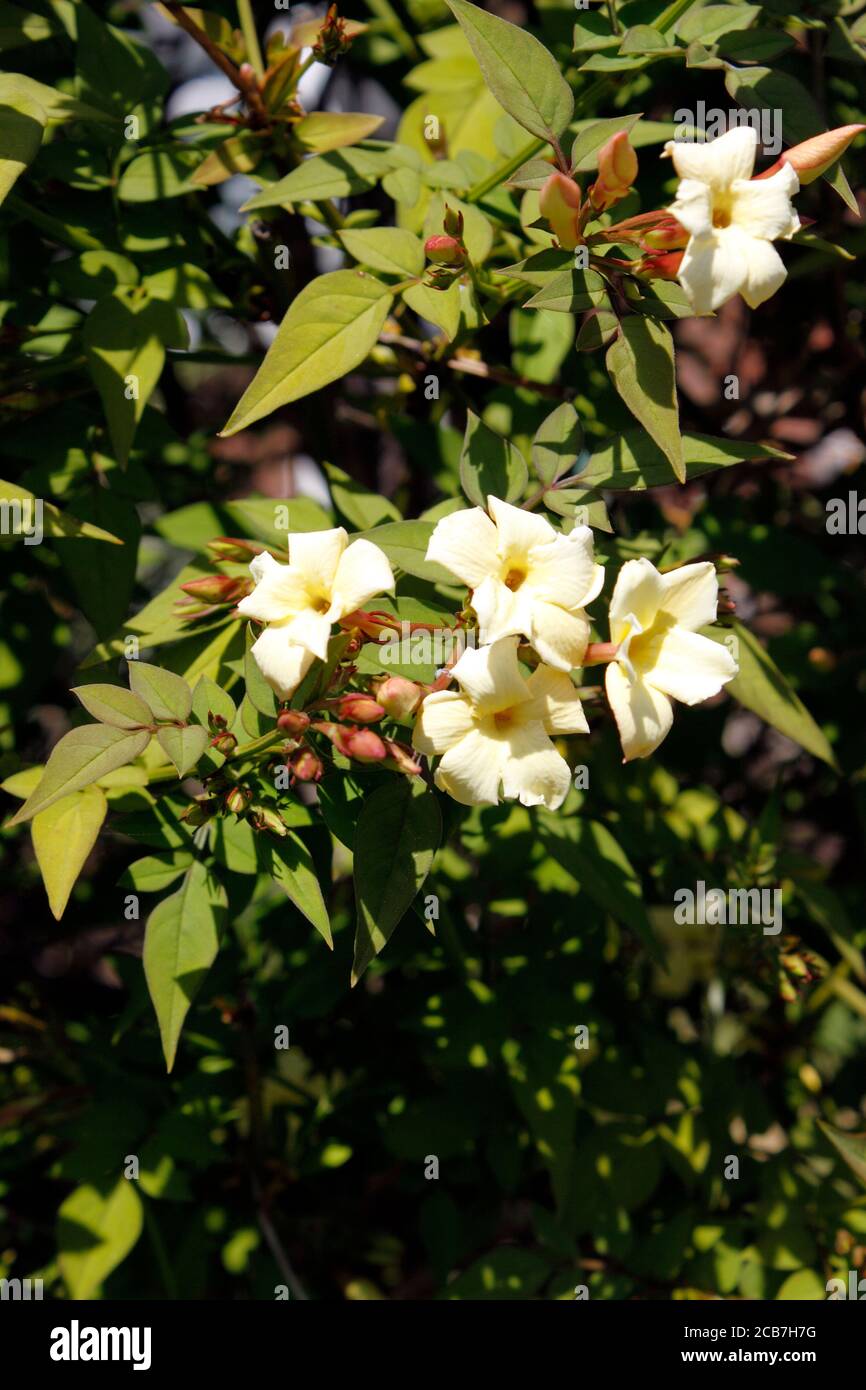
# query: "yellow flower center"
{"type": "Point", "coordinates": [319, 603]}
{"type": "Point", "coordinates": [514, 578]}
{"type": "Point", "coordinates": [644, 648]}
{"type": "Point", "coordinates": [722, 212]}
{"type": "Point", "coordinates": [503, 719]}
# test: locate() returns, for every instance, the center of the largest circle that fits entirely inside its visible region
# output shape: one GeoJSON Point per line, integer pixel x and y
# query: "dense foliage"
{"type": "Point", "coordinates": [340, 961]}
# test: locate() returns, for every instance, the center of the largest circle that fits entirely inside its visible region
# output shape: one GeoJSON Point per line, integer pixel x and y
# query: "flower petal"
{"type": "Point", "coordinates": [559, 637]}
{"type": "Point", "coordinates": [638, 590]}
{"type": "Point", "coordinates": [693, 207]}
{"type": "Point", "coordinates": [555, 703]}
{"type": "Point", "coordinates": [643, 715]}
{"type": "Point", "coordinates": [444, 718]}
{"type": "Point", "coordinates": [311, 630]}
{"type": "Point", "coordinates": [314, 555]}
{"type": "Point", "coordinates": [491, 677]}
{"type": "Point", "coordinates": [691, 594]}
{"type": "Point", "coordinates": [363, 571]}
{"type": "Point", "coordinates": [465, 543]}
{"type": "Point", "coordinates": [500, 611]}
{"type": "Point", "coordinates": [563, 571]}
{"type": "Point", "coordinates": [472, 769]}
{"type": "Point", "coordinates": [282, 663]}
{"type": "Point", "coordinates": [762, 207]}
{"type": "Point", "coordinates": [518, 531]}
{"type": "Point", "coordinates": [689, 667]}
{"type": "Point", "coordinates": [278, 594]}
{"type": "Point", "coordinates": [717, 162]}
{"type": "Point", "coordinates": [714, 268]}
{"type": "Point", "coordinates": [533, 771]}
{"type": "Point", "coordinates": [766, 273]}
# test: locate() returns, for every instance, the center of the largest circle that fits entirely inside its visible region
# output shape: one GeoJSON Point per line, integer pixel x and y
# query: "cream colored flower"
{"type": "Point", "coordinates": [325, 579]}
{"type": "Point", "coordinates": [654, 618]}
{"type": "Point", "coordinates": [494, 731]}
{"type": "Point", "coordinates": [732, 220]}
{"type": "Point", "coordinates": [526, 578]}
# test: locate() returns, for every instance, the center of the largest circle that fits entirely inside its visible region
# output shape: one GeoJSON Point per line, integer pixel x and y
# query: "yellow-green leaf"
{"type": "Point", "coordinates": [181, 941]}
{"type": "Point", "coordinates": [321, 131]}
{"type": "Point", "coordinates": [641, 363]}
{"type": "Point", "coordinates": [81, 757]}
{"type": "Point", "coordinates": [97, 1226]}
{"type": "Point", "coordinates": [63, 836]}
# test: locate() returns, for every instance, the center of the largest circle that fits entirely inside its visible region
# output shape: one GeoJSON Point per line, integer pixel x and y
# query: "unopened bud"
{"type": "Point", "coordinates": [400, 758]}
{"type": "Point", "coordinates": [399, 697]}
{"type": "Point", "coordinates": [668, 235]}
{"type": "Point", "coordinates": [361, 744]}
{"type": "Point", "coordinates": [224, 743]}
{"type": "Point", "coordinates": [218, 588]}
{"type": "Point", "coordinates": [263, 818]}
{"type": "Point", "coordinates": [452, 222]}
{"type": "Point", "coordinates": [617, 163]}
{"type": "Point", "coordinates": [444, 250]}
{"type": "Point", "coordinates": [559, 202]}
{"type": "Point", "coordinates": [306, 766]}
{"type": "Point", "coordinates": [200, 812]}
{"type": "Point", "coordinates": [360, 709]}
{"type": "Point", "coordinates": [810, 159]}
{"type": "Point", "coordinates": [238, 799]}
{"type": "Point", "coordinates": [232, 548]}
{"type": "Point", "coordinates": [293, 721]}
{"type": "Point", "coordinates": [664, 265]}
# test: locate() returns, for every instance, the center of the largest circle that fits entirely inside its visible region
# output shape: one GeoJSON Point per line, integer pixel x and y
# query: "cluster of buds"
{"type": "Point", "coordinates": [561, 200]}
{"type": "Point", "coordinates": [364, 745]}
{"type": "Point", "coordinates": [796, 969]}
{"type": "Point", "coordinates": [446, 252]}
{"type": "Point", "coordinates": [334, 38]}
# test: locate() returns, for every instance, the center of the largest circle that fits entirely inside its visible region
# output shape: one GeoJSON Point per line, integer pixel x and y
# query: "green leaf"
{"type": "Point", "coordinates": [112, 704]}
{"type": "Point", "coordinates": [805, 1285]}
{"type": "Point", "coordinates": [398, 833]}
{"type": "Point", "coordinates": [63, 836]}
{"type": "Point", "coordinates": [387, 249]}
{"type": "Point", "coordinates": [557, 443]}
{"type": "Point", "coordinates": [338, 174]}
{"type": "Point", "coordinates": [851, 1147]}
{"type": "Point", "coordinates": [258, 692]}
{"type": "Point", "coordinates": [540, 343]}
{"type": "Point", "coordinates": [94, 274]}
{"type": "Point", "coordinates": [441, 307]}
{"type": "Point", "coordinates": [21, 519]}
{"type": "Point", "coordinates": [520, 72]}
{"type": "Point", "coordinates": [240, 154]}
{"type": "Point", "coordinates": [181, 941]}
{"type": "Point", "coordinates": [159, 174]}
{"type": "Point", "coordinates": [185, 285]}
{"type": "Point", "coordinates": [125, 338]}
{"type": "Point", "coordinates": [490, 465]}
{"type": "Point", "coordinates": [210, 698]}
{"type": "Point", "coordinates": [184, 746]}
{"type": "Point", "coordinates": [327, 332]}
{"type": "Point", "coordinates": [588, 851]}
{"type": "Point", "coordinates": [82, 756]}
{"type": "Point", "coordinates": [166, 695]}
{"type": "Point", "coordinates": [321, 131]}
{"type": "Point", "coordinates": [405, 543]}
{"type": "Point", "coordinates": [710, 22]}
{"type": "Point", "coordinates": [290, 864]}
{"type": "Point", "coordinates": [762, 688]}
{"type": "Point", "coordinates": [570, 292]}
{"type": "Point", "coordinates": [113, 70]}
{"type": "Point", "coordinates": [361, 508]}
{"type": "Point", "coordinates": [155, 871]}
{"type": "Point", "coordinates": [97, 1226]}
{"type": "Point", "coordinates": [22, 125]}
{"type": "Point", "coordinates": [641, 363]}
{"type": "Point", "coordinates": [631, 461]}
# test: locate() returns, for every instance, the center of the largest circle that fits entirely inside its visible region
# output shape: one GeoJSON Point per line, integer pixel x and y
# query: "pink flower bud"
{"type": "Point", "coordinates": [617, 171]}
{"type": "Point", "coordinates": [232, 548]}
{"type": "Point", "coordinates": [360, 709]}
{"type": "Point", "coordinates": [810, 159]}
{"type": "Point", "coordinates": [668, 235]}
{"type": "Point", "coordinates": [399, 697]}
{"type": "Point", "coordinates": [444, 250]}
{"type": "Point", "coordinates": [306, 766]}
{"type": "Point", "coordinates": [559, 202]}
{"type": "Point", "coordinates": [238, 799]}
{"type": "Point", "coordinates": [293, 721]}
{"type": "Point", "coordinates": [362, 745]}
{"type": "Point", "coordinates": [218, 588]}
{"type": "Point", "coordinates": [662, 265]}
{"type": "Point", "coordinates": [224, 742]}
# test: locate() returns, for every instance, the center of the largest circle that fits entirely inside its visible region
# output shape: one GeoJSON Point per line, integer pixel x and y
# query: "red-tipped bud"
{"type": "Point", "coordinates": [363, 745]}
{"type": "Point", "coordinates": [263, 818]}
{"type": "Point", "coordinates": [218, 588]}
{"type": "Point", "coordinates": [559, 202]}
{"type": "Point", "coordinates": [813, 157]}
{"type": "Point", "coordinates": [400, 758]}
{"type": "Point", "coordinates": [224, 743]}
{"type": "Point", "coordinates": [617, 171]}
{"type": "Point", "coordinates": [238, 799]}
{"type": "Point", "coordinates": [399, 697]}
{"type": "Point", "coordinates": [360, 709]}
{"type": "Point", "coordinates": [306, 766]}
{"type": "Point", "coordinates": [293, 721]}
{"type": "Point", "coordinates": [444, 250]}
{"type": "Point", "coordinates": [232, 548]}
{"type": "Point", "coordinates": [662, 265]}
{"type": "Point", "coordinates": [452, 222]}
{"type": "Point", "coordinates": [668, 235]}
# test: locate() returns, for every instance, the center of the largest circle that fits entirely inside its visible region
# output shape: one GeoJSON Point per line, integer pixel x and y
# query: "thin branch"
{"type": "Point", "coordinates": [245, 83]}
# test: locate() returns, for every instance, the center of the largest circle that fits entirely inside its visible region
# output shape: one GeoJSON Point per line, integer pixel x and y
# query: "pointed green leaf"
{"type": "Point", "coordinates": [397, 837]}
{"type": "Point", "coordinates": [387, 249]}
{"type": "Point", "coordinates": [490, 465]}
{"type": "Point", "coordinates": [97, 1226]}
{"type": "Point", "coordinates": [183, 746]}
{"type": "Point", "coordinates": [166, 695]}
{"type": "Point", "coordinates": [641, 363]}
{"type": "Point", "coordinates": [290, 864]}
{"type": "Point", "coordinates": [155, 871]}
{"type": "Point", "coordinates": [181, 941]}
{"type": "Point", "coordinates": [20, 511]}
{"type": "Point", "coordinates": [852, 1147]}
{"type": "Point", "coordinates": [63, 836]}
{"type": "Point", "coordinates": [22, 125]}
{"type": "Point", "coordinates": [520, 72]}
{"type": "Point", "coordinates": [557, 443]}
{"type": "Point", "coordinates": [112, 704]}
{"type": "Point", "coordinates": [328, 331]}
{"type": "Point", "coordinates": [82, 756]}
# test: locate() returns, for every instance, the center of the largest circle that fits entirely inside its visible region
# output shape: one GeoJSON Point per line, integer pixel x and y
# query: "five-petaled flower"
{"type": "Point", "coordinates": [661, 656]}
{"type": "Point", "coordinates": [732, 220]}
{"type": "Point", "coordinates": [526, 578]}
{"type": "Point", "coordinates": [495, 730]}
{"type": "Point", "coordinates": [325, 579]}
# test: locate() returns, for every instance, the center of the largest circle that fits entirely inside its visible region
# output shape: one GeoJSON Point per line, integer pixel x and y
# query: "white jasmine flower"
{"type": "Point", "coordinates": [732, 220]}
{"type": "Point", "coordinates": [661, 657]}
{"type": "Point", "coordinates": [325, 579]}
{"type": "Point", "coordinates": [526, 578]}
{"type": "Point", "coordinates": [493, 732]}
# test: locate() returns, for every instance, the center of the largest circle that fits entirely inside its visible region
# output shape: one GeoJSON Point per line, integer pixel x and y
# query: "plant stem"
{"type": "Point", "coordinates": [251, 38]}
{"type": "Point", "coordinates": [248, 87]}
